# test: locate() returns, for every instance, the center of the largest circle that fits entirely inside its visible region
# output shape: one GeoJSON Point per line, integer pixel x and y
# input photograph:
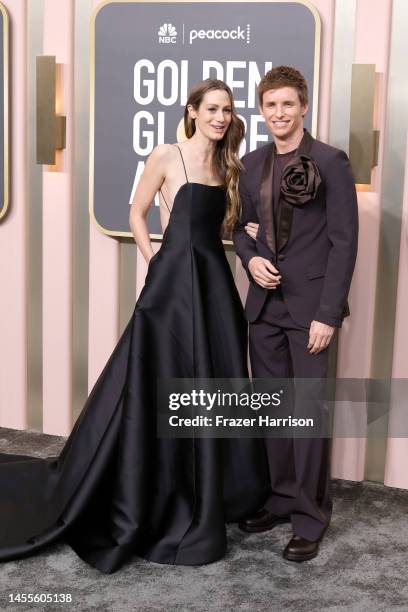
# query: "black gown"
{"type": "Point", "coordinates": [118, 490]}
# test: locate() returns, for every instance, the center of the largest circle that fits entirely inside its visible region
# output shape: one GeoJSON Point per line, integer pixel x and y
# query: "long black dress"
{"type": "Point", "coordinates": [117, 489]}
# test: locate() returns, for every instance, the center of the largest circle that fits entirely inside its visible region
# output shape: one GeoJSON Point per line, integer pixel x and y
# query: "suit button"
{"type": "Point", "coordinates": [281, 257]}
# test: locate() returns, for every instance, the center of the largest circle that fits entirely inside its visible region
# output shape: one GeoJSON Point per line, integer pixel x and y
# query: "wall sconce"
{"type": "Point", "coordinates": [363, 150]}
{"type": "Point", "coordinates": [50, 126]}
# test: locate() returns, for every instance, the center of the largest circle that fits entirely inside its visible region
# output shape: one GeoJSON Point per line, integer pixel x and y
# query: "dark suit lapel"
{"type": "Point", "coordinates": [265, 197]}
{"type": "Point", "coordinates": [285, 216]}
{"type": "Point", "coordinates": [305, 144]}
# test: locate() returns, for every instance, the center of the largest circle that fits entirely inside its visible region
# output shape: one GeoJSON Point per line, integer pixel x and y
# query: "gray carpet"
{"type": "Point", "coordinates": [362, 565]}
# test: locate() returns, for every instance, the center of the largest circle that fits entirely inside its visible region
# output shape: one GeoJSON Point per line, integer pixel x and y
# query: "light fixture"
{"type": "Point", "coordinates": [363, 148]}
{"type": "Point", "coordinates": [50, 126]}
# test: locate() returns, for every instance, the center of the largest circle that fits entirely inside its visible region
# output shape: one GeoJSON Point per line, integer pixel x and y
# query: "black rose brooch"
{"type": "Point", "coordinates": [300, 180]}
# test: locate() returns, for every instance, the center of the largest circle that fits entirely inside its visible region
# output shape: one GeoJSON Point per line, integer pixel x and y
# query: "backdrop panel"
{"type": "Point", "coordinates": [146, 56]}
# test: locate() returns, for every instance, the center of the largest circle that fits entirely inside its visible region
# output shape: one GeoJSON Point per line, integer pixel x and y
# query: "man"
{"type": "Point", "coordinates": [299, 262]}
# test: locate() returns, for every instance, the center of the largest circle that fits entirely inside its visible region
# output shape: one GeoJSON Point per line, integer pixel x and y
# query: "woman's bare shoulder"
{"type": "Point", "coordinates": [162, 158]}
{"type": "Point", "coordinates": [163, 152]}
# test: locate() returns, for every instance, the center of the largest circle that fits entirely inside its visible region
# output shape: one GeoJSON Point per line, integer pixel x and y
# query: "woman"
{"type": "Point", "coordinates": [117, 489]}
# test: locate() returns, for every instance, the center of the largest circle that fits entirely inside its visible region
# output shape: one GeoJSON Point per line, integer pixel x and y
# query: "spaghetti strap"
{"type": "Point", "coordinates": [184, 165]}
{"type": "Point", "coordinates": [185, 172]}
{"type": "Point", "coordinates": [165, 201]}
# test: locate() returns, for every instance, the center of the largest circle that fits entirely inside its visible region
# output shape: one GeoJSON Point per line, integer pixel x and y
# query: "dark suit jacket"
{"type": "Point", "coordinates": [316, 258]}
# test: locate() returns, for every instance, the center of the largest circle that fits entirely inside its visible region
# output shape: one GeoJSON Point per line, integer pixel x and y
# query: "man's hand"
{"type": "Point", "coordinates": [252, 229]}
{"type": "Point", "coordinates": [320, 335]}
{"type": "Point", "coordinates": [264, 273]}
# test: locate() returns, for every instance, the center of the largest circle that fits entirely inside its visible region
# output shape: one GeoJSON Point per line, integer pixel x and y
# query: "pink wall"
{"type": "Point", "coordinates": [103, 297]}
{"type": "Point", "coordinates": [57, 233]}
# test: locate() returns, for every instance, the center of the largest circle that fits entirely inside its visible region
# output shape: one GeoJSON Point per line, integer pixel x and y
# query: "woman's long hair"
{"type": "Point", "coordinates": [226, 161]}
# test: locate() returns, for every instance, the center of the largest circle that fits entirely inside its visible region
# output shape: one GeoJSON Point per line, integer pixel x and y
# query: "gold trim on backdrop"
{"type": "Point", "coordinates": [6, 84]}
{"type": "Point", "coordinates": [98, 8]}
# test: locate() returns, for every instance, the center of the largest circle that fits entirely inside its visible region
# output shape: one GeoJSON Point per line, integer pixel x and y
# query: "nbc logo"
{"type": "Point", "coordinates": [167, 34]}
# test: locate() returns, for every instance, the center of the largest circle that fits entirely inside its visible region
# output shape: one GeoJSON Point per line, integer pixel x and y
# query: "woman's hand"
{"type": "Point", "coordinates": [252, 229]}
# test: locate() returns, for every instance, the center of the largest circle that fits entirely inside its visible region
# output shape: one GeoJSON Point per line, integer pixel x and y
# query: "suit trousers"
{"type": "Point", "coordinates": [299, 467]}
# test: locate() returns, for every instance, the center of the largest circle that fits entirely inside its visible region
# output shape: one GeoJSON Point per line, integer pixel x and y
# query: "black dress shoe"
{"type": "Point", "coordinates": [298, 549]}
{"type": "Point", "coordinates": [263, 520]}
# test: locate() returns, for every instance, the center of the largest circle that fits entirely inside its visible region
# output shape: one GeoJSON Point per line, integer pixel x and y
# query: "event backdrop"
{"type": "Point", "coordinates": [69, 289]}
{"type": "Point", "coordinates": [141, 85]}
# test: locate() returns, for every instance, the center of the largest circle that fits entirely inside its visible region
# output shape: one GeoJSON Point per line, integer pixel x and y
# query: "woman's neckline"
{"type": "Point", "coordinates": [203, 184]}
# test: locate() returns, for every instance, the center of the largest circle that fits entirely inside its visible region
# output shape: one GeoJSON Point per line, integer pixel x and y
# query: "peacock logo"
{"type": "Point", "coordinates": [167, 34]}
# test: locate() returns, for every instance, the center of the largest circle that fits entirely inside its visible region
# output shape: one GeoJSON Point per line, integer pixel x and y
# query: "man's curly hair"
{"type": "Point", "coordinates": [284, 76]}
